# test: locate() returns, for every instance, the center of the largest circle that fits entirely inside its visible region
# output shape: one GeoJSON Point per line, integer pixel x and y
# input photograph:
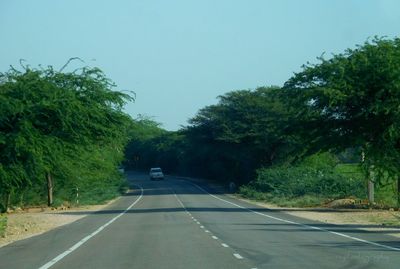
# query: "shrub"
{"type": "Point", "coordinates": [3, 225]}
{"type": "Point", "coordinates": [308, 183]}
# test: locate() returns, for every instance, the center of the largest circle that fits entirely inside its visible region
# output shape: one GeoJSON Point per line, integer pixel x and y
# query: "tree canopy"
{"type": "Point", "coordinates": [352, 100]}
{"type": "Point", "coordinates": [347, 103]}
{"type": "Point", "coordinates": [55, 123]}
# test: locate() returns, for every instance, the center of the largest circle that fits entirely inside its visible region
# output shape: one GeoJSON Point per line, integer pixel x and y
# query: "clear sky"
{"type": "Point", "coordinates": [178, 56]}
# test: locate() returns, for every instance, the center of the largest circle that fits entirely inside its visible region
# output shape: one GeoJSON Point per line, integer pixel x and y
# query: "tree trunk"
{"type": "Point", "coordinates": [7, 201]}
{"type": "Point", "coordinates": [371, 191]}
{"type": "Point", "coordinates": [371, 185]}
{"type": "Point", "coordinates": [49, 189]}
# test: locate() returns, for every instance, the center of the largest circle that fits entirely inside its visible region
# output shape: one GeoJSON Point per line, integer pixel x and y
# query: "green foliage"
{"type": "Point", "coordinates": [386, 195]}
{"type": "Point", "coordinates": [347, 105]}
{"type": "Point", "coordinates": [3, 225]}
{"type": "Point", "coordinates": [315, 176]}
{"type": "Point", "coordinates": [244, 131]}
{"type": "Point", "coordinates": [250, 192]}
{"type": "Point", "coordinates": [347, 182]}
{"type": "Point", "coordinates": [312, 182]}
{"type": "Point", "coordinates": [352, 100]}
{"type": "Point", "coordinates": [69, 125]}
{"type": "Point", "coordinates": [321, 161]}
{"type": "Point", "coordinates": [151, 146]}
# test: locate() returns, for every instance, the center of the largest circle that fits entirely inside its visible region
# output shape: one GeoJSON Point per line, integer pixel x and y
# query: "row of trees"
{"type": "Point", "coordinates": [350, 101]}
{"type": "Point", "coordinates": [59, 132]}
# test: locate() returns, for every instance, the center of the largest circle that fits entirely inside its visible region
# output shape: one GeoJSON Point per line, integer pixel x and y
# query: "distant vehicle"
{"type": "Point", "coordinates": [156, 173]}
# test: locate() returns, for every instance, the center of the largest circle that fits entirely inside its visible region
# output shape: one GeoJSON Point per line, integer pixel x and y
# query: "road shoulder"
{"type": "Point", "coordinates": [369, 220]}
{"type": "Point", "coordinates": [34, 221]}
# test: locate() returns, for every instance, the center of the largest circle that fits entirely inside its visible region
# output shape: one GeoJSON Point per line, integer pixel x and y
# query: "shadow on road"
{"type": "Point", "coordinates": [268, 226]}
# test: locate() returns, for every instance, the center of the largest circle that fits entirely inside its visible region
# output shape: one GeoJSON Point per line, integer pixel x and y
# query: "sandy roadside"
{"type": "Point", "coordinates": [385, 221]}
{"type": "Point", "coordinates": [21, 225]}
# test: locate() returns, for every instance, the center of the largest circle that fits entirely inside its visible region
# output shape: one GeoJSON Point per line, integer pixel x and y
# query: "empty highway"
{"type": "Point", "coordinates": [179, 224]}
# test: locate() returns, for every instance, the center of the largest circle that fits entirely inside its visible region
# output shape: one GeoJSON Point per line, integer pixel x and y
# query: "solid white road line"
{"type": "Point", "coordinates": [237, 256]}
{"type": "Point", "coordinates": [83, 240]}
{"type": "Point", "coordinates": [224, 245]}
{"type": "Point", "coordinates": [300, 224]}
{"type": "Point", "coordinates": [180, 202]}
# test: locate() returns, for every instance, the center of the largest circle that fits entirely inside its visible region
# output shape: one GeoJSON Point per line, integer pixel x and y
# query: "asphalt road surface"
{"type": "Point", "coordinates": [177, 224]}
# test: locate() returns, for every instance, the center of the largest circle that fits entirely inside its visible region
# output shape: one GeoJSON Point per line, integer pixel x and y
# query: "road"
{"type": "Point", "coordinates": [177, 224]}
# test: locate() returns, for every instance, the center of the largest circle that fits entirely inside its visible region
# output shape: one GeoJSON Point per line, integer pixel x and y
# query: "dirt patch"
{"type": "Point", "coordinates": [370, 220]}
{"type": "Point", "coordinates": [34, 221]}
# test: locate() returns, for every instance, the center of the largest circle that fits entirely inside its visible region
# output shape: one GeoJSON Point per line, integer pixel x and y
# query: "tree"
{"type": "Point", "coordinates": [245, 130]}
{"type": "Point", "coordinates": [352, 100]}
{"type": "Point", "coordinates": [48, 117]}
{"type": "Point", "coordinates": [152, 146]}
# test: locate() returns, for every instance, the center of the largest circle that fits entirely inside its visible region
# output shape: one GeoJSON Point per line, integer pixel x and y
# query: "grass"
{"type": "Point", "coordinates": [90, 194]}
{"type": "Point", "coordinates": [3, 225]}
{"type": "Point", "coordinates": [385, 196]}
{"type": "Point", "coordinates": [351, 169]}
{"type": "Point", "coordinates": [100, 194]}
{"type": "Point", "coordinates": [284, 201]}
{"type": "Point", "coordinates": [301, 201]}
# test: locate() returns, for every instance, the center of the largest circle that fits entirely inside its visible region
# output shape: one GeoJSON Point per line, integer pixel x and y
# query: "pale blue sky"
{"type": "Point", "coordinates": [178, 56]}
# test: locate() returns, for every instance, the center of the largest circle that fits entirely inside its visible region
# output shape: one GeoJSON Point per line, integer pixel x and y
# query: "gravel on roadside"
{"type": "Point", "coordinates": [34, 221]}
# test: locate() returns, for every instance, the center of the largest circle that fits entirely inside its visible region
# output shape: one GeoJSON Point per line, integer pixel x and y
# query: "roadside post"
{"type": "Point", "coordinates": [77, 195]}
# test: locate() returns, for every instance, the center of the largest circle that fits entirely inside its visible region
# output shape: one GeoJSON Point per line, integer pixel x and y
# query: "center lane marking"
{"type": "Point", "coordinates": [237, 256]}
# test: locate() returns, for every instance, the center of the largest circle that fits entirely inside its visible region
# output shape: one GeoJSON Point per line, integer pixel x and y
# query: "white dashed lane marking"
{"type": "Point", "coordinates": [237, 256]}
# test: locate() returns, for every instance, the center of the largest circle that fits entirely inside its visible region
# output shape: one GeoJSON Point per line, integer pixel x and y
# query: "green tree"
{"type": "Point", "coordinates": [48, 117]}
{"type": "Point", "coordinates": [352, 100]}
{"type": "Point", "coordinates": [152, 146]}
{"type": "Point", "coordinates": [245, 130]}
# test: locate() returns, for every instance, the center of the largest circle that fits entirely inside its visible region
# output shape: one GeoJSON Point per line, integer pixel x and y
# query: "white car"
{"type": "Point", "coordinates": [156, 173]}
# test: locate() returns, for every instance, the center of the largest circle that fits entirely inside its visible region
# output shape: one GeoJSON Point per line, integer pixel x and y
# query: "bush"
{"type": "Point", "coordinates": [308, 183]}
{"type": "Point", "coordinates": [3, 225]}
{"type": "Point", "coordinates": [302, 180]}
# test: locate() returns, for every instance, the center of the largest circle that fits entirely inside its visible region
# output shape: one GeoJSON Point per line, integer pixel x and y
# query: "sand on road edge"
{"type": "Point", "coordinates": [34, 221]}
{"type": "Point", "coordinates": [385, 221]}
